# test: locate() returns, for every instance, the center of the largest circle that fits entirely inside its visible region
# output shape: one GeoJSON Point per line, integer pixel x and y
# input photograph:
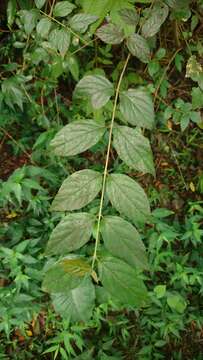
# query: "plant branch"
{"type": "Point", "coordinates": [107, 161]}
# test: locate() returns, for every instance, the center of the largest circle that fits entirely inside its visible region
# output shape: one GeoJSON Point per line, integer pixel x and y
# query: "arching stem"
{"type": "Point", "coordinates": [107, 161]}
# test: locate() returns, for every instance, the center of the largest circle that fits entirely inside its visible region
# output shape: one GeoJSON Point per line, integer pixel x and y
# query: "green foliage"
{"type": "Point", "coordinates": [84, 84]}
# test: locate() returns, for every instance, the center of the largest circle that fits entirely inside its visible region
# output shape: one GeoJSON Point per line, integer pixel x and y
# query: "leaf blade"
{"type": "Point", "coordinates": [78, 190]}
{"type": "Point", "coordinates": [133, 148]}
{"type": "Point", "coordinates": [123, 241]}
{"type": "Point", "coordinates": [137, 108]}
{"type": "Point", "coordinates": [128, 198]}
{"type": "Point", "coordinates": [77, 137]}
{"type": "Point", "coordinates": [70, 234]}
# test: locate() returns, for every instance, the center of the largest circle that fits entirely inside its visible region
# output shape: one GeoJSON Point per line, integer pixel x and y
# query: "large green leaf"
{"type": "Point", "coordinates": [73, 231]}
{"type": "Point", "coordinates": [43, 27]}
{"type": "Point", "coordinates": [29, 19]}
{"type": "Point", "coordinates": [97, 87]}
{"type": "Point", "coordinates": [63, 8]}
{"type": "Point", "coordinates": [110, 34]}
{"type": "Point", "coordinates": [123, 241]}
{"type": "Point", "coordinates": [128, 197]}
{"type": "Point", "coordinates": [65, 274]}
{"type": "Point", "coordinates": [137, 108]}
{"type": "Point", "coordinates": [139, 47]}
{"type": "Point", "coordinates": [60, 40]}
{"type": "Point", "coordinates": [77, 137]}
{"type": "Point", "coordinates": [157, 17]}
{"type": "Point", "coordinates": [78, 190]}
{"type": "Point", "coordinates": [133, 148]}
{"type": "Point", "coordinates": [76, 304]}
{"type": "Point", "coordinates": [80, 22]}
{"type": "Point", "coordinates": [122, 282]}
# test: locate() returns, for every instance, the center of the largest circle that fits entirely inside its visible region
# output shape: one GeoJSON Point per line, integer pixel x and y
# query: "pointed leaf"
{"type": "Point", "coordinates": [73, 231]}
{"type": "Point", "coordinates": [133, 148]}
{"type": "Point", "coordinates": [80, 22]}
{"type": "Point", "coordinates": [122, 282]}
{"type": "Point", "coordinates": [76, 304]}
{"type": "Point", "coordinates": [67, 273]}
{"type": "Point", "coordinates": [97, 87]}
{"type": "Point", "coordinates": [77, 137]}
{"type": "Point", "coordinates": [63, 8]}
{"type": "Point", "coordinates": [110, 34]}
{"type": "Point", "coordinates": [155, 20]}
{"type": "Point", "coordinates": [78, 190]}
{"type": "Point", "coordinates": [128, 197]}
{"type": "Point", "coordinates": [123, 241]}
{"type": "Point", "coordinates": [137, 108]}
{"type": "Point", "coordinates": [139, 47]}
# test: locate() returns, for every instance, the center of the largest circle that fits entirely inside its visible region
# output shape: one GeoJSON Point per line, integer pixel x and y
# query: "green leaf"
{"type": "Point", "coordinates": [133, 148]}
{"type": "Point", "coordinates": [29, 19]}
{"type": "Point", "coordinates": [176, 302]}
{"type": "Point", "coordinates": [97, 87]}
{"type": "Point", "coordinates": [123, 241]}
{"type": "Point", "coordinates": [137, 108]}
{"type": "Point", "coordinates": [77, 137]}
{"type": "Point", "coordinates": [129, 16]}
{"type": "Point", "coordinates": [76, 304]}
{"type": "Point", "coordinates": [11, 12]}
{"type": "Point", "coordinates": [65, 274]}
{"type": "Point", "coordinates": [80, 22]}
{"type": "Point", "coordinates": [157, 17]}
{"type": "Point", "coordinates": [43, 27]}
{"type": "Point", "coordinates": [63, 8]}
{"type": "Point", "coordinates": [72, 64]}
{"type": "Point", "coordinates": [12, 93]}
{"type": "Point", "coordinates": [160, 291]}
{"type": "Point", "coordinates": [122, 282]}
{"type": "Point", "coordinates": [73, 231]}
{"type": "Point", "coordinates": [60, 40]}
{"type": "Point", "coordinates": [39, 3]}
{"type": "Point", "coordinates": [78, 190]}
{"type": "Point", "coordinates": [110, 34]}
{"type": "Point", "coordinates": [128, 197]}
{"type": "Point", "coordinates": [139, 47]}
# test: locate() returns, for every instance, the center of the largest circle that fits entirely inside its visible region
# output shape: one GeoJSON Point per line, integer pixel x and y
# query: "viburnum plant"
{"type": "Point", "coordinates": [114, 263]}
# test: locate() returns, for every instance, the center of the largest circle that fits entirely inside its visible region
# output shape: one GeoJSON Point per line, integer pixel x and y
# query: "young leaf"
{"type": "Point", "coordinates": [76, 304]}
{"type": "Point", "coordinates": [80, 22]}
{"type": "Point", "coordinates": [63, 8]}
{"type": "Point", "coordinates": [110, 34]}
{"type": "Point", "coordinates": [97, 87]}
{"type": "Point", "coordinates": [156, 19]}
{"type": "Point", "coordinates": [128, 197]}
{"type": "Point", "coordinates": [70, 234]}
{"type": "Point", "coordinates": [122, 282]}
{"type": "Point", "coordinates": [137, 108]}
{"type": "Point", "coordinates": [123, 241]}
{"type": "Point", "coordinates": [43, 27]}
{"type": "Point", "coordinates": [133, 148]}
{"type": "Point", "coordinates": [129, 16]}
{"type": "Point", "coordinates": [78, 190]}
{"type": "Point", "coordinates": [72, 63]}
{"type": "Point", "coordinates": [138, 47]}
{"type": "Point", "coordinates": [77, 137]}
{"type": "Point", "coordinates": [67, 273]}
